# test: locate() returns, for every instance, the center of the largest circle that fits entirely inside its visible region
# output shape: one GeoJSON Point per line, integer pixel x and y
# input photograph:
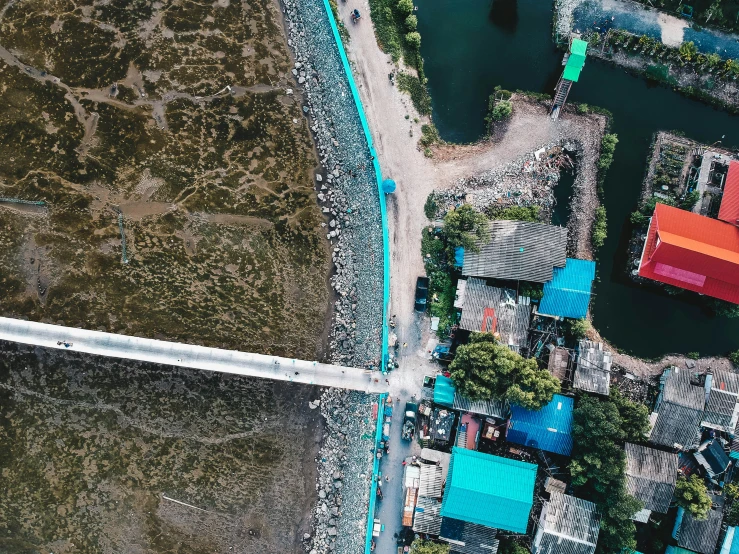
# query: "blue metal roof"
{"type": "Point", "coordinates": [548, 429]}
{"type": "Point", "coordinates": [459, 256]}
{"type": "Point", "coordinates": [444, 391]}
{"type": "Point", "coordinates": [568, 293]}
{"type": "Point", "coordinates": [731, 542]}
{"type": "Point", "coordinates": [489, 490]}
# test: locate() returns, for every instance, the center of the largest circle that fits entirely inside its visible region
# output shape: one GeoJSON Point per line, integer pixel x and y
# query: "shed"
{"type": "Point", "coordinates": [722, 409]}
{"type": "Point", "coordinates": [651, 476]}
{"type": "Point", "coordinates": [568, 293]}
{"type": "Point", "coordinates": [489, 490]}
{"type": "Point", "coordinates": [468, 538]}
{"type": "Point", "coordinates": [711, 456]}
{"type": "Point", "coordinates": [446, 394]}
{"type": "Point", "coordinates": [567, 525]}
{"type": "Point", "coordinates": [548, 429]}
{"type": "Point", "coordinates": [679, 410]}
{"type": "Point", "coordinates": [518, 250]}
{"type": "Point", "coordinates": [699, 535]}
{"type": "Point", "coordinates": [593, 372]}
{"type": "Point", "coordinates": [559, 362]}
{"type": "Point", "coordinates": [494, 310]}
{"type": "Point", "coordinates": [576, 60]}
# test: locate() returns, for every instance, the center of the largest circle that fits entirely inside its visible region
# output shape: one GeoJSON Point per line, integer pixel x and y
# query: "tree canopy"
{"type": "Point", "coordinates": [485, 369]}
{"type": "Point", "coordinates": [421, 546]}
{"type": "Point", "coordinates": [465, 227]}
{"type": "Point", "coordinates": [692, 495]}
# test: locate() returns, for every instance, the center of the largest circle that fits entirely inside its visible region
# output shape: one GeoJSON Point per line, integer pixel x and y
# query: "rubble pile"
{"type": "Point", "coordinates": [344, 474]}
{"type": "Point", "coordinates": [346, 185]}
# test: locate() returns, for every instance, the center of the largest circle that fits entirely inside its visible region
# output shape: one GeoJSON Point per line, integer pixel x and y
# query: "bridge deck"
{"type": "Point", "coordinates": [187, 355]}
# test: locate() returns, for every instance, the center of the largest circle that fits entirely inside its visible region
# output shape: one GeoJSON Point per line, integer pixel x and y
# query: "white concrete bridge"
{"type": "Point", "coordinates": [191, 356]}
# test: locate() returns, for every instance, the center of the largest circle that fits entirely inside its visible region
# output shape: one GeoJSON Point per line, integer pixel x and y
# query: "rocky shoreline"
{"type": "Point", "coordinates": [344, 473]}
{"type": "Point", "coordinates": [346, 185]}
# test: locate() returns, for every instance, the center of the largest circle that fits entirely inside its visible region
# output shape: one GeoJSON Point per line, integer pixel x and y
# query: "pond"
{"type": "Point", "coordinates": [470, 47]}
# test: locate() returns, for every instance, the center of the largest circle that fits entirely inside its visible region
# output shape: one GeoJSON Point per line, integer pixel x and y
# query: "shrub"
{"type": "Point", "coordinates": [579, 328]}
{"type": "Point", "coordinates": [431, 208]}
{"type": "Point", "coordinates": [690, 200]}
{"type": "Point", "coordinates": [607, 148]}
{"type": "Point", "coordinates": [417, 90]}
{"type": "Point", "coordinates": [692, 495]}
{"type": "Point", "coordinates": [600, 227]}
{"type": "Point", "coordinates": [429, 135]}
{"type": "Point", "coordinates": [725, 309]}
{"type": "Point", "coordinates": [465, 227]}
{"type": "Point", "coordinates": [502, 110]}
{"type": "Point", "coordinates": [688, 51]}
{"type": "Point", "coordinates": [693, 355]}
{"type": "Point", "coordinates": [411, 22]}
{"type": "Point", "coordinates": [734, 357]}
{"type": "Point", "coordinates": [405, 7]}
{"type": "Point", "coordinates": [517, 213]}
{"type": "Point", "coordinates": [413, 39]}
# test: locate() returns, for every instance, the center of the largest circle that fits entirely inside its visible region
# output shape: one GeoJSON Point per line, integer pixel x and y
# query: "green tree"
{"type": "Point", "coordinates": [617, 530]}
{"type": "Point", "coordinates": [692, 495]}
{"type": "Point", "coordinates": [688, 51]}
{"type": "Point", "coordinates": [533, 387]}
{"type": "Point", "coordinates": [502, 110]}
{"type": "Point", "coordinates": [509, 546]}
{"type": "Point", "coordinates": [411, 22]}
{"type": "Point", "coordinates": [731, 67]}
{"type": "Point", "coordinates": [731, 490]}
{"type": "Point", "coordinates": [690, 200]}
{"type": "Point", "coordinates": [714, 60]}
{"type": "Point", "coordinates": [465, 227]}
{"type": "Point", "coordinates": [607, 149]}
{"type": "Point", "coordinates": [413, 39]}
{"type": "Point", "coordinates": [634, 416]}
{"type": "Point", "coordinates": [420, 546]}
{"type": "Point", "coordinates": [725, 309]}
{"type": "Point", "coordinates": [600, 227]}
{"type": "Point", "coordinates": [734, 357]}
{"type": "Point", "coordinates": [579, 328]}
{"type": "Point", "coordinates": [405, 7]}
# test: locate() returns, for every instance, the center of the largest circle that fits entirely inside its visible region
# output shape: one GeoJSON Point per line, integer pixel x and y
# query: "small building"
{"type": "Point", "coordinates": [427, 517]}
{"type": "Point", "coordinates": [567, 525]}
{"type": "Point", "coordinates": [699, 535]}
{"type": "Point", "coordinates": [468, 538]}
{"type": "Point", "coordinates": [441, 423]}
{"type": "Point", "coordinates": [489, 490]}
{"type": "Point", "coordinates": [560, 362]}
{"type": "Point", "coordinates": [518, 251]}
{"type": "Point", "coordinates": [692, 252]}
{"type": "Point", "coordinates": [678, 410]}
{"type": "Point", "coordinates": [548, 429]}
{"type": "Point", "coordinates": [568, 293]}
{"type": "Point", "coordinates": [442, 459]}
{"type": "Point", "coordinates": [651, 476]}
{"type": "Point", "coordinates": [445, 393]}
{"type": "Point", "coordinates": [593, 373]}
{"type": "Point", "coordinates": [711, 457]}
{"type": "Point", "coordinates": [729, 210]}
{"type": "Point", "coordinates": [722, 409]}
{"type": "Point", "coordinates": [494, 310]}
{"type": "Point", "coordinates": [731, 541]}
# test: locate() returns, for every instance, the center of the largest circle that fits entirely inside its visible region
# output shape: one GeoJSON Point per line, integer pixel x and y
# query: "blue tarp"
{"type": "Point", "coordinates": [458, 256]}
{"type": "Point", "coordinates": [444, 391]}
{"type": "Point", "coordinates": [548, 429]}
{"type": "Point", "coordinates": [568, 293]}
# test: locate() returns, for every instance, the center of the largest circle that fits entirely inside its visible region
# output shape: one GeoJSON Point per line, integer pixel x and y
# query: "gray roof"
{"type": "Point", "coordinates": [701, 535]}
{"type": "Point", "coordinates": [567, 525]}
{"type": "Point", "coordinates": [468, 538]}
{"type": "Point", "coordinates": [430, 481]}
{"type": "Point", "coordinates": [518, 250]}
{"type": "Point", "coordinates": [512, 315]}
{"type": "Point", "coordinates": [427, 517]}
{"type": "Point", "coordinates": [494, 407]}
{"type": "Point", "coordinates": [651, 476]}
{"type": "Point", "coordinates": [559, 362]}
{"type": "Point", "coordinates": [593, 372]}
{"type": "Point", "coordinates": [679, 408]}
{"type": "Point", "coordinates": [721, 410]}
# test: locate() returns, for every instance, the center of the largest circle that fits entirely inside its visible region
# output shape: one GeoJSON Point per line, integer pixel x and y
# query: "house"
{"type": "Point", "coordinates": [494, 310]}
{"type": "Point", "coordinates": [446, 394]}
{"type": "Point", "coordinates": [489, 490]}
{"type": "Point", "coordinates": [711, 456]}
{"type": "Point", "coordinates": [518, 251]}
{"type": "Point", "coordinates": [699, 535]}
{"type": "Point", "coordinates": [678, 410]}
{"type": "Point", "coordinates": [568, 293]}
{"type": "Point", "coordinates": [722, 409]}
{"type": "Point", "coordinates": [593, 372]}
{"type": "Point", "coordinates": [651, 476]}
{"type": "Point", "coordinates": [548, 429]}
{"type": "Point", "coordinates": [729, 210]}
{"type": "Point", "coordinates": [567, 525]}
{"type": "Point", "coordinates": [692, 252]}
{"type": "Point", "coordinates": [468, 538]}
{"type": "Point", "coordinates": [731, 541]}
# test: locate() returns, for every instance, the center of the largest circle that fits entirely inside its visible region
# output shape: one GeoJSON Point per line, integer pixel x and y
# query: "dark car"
{"type": "Point", "coordinates": [422, 293]}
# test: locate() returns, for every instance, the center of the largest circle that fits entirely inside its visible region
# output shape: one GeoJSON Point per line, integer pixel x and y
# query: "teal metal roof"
{"type": "Point", "coordinates": [576, 60]}
{"type": "Point", "coordinates": [568, 293]}
{"type": "Point", "coordinates": [731, 542]}
{"type": "Point", "coordinates": [489, 490]}
{"type": "Point", "coordinates": [444, 391]}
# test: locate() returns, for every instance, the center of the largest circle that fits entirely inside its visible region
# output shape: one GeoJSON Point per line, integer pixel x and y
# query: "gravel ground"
{"type": "Point", "coordinates": [346, 183]}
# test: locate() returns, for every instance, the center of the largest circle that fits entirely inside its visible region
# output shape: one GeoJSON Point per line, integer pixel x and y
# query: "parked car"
{"type": "Point", "coordinates": [422, 293]}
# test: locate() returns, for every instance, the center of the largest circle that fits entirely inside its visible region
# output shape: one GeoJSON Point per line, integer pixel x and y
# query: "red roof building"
{"type": "Point", "coordinates": [692, 252]}
{"type": "Point", "coordinates": [729, 211]}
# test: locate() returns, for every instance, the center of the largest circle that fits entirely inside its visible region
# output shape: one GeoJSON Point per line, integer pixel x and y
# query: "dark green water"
{"type": "Point", "coordinates": [473, 45]}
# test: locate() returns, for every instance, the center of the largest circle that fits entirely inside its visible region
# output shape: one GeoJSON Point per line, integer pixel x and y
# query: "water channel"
{"type": "Point", "coordinates": [470, 47]}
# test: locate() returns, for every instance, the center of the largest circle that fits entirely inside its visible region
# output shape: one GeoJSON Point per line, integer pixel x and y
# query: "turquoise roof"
{"type": "Point", "coordinates": [548, 429]}
{"type": "Point", "coordinates": [444, 391]}
{"type": "Point", "coordinates": [576, 60]}
{"type": "Point", "coordinates": [731, 541]}
{"type": "Point", "coordinates": [489, 490]}
{"type": "Point", "coordinates": [568, 293]}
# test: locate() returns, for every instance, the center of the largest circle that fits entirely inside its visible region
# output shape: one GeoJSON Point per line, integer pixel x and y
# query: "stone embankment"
{"type": "Point", "coordinates": [346, 184]}
{"type": "Point", "coordinates": [344, 474]}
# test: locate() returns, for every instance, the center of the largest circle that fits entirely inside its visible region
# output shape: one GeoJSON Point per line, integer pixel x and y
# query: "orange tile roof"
{"type": "Point", "coordinates": [729, 210]}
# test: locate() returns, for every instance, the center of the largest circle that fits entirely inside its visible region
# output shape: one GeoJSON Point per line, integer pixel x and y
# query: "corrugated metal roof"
{"type": "Point", "coordinates": [722, 410]}
{"type": "Point", "coordinates": [680, 410]}
{"type": "Point", "coordinates": [568, 293]}
{"type": "Point", "coordinates": [567, 525]}
{"type": "Point", "coordinates": [468, 538]}
{"type": "Point", "coordinates": [489, 490]}
{"type": "Point", "coordinates": [651, 476]}
{"type": "Point", "coordinates": [700, 535]}
{"type": "Point", "coordinates": [448, 396]}
{"type": "Point", "coordinates": [729, 211]}
{"type": "Point", "coordinates": [495, 310]}
{"type": "Point", "coordinates": [430, 480]}
{"type": "Point", "coordinates": [518, 250]}
{"type": "Point", "coordinates": [593, 368]}
{"type": "Point", "coordinates": [427, 517]}
{"type": "Point", "coordinates": [693, 252]}
{"type": "Point", "coordinates": [548, 429]}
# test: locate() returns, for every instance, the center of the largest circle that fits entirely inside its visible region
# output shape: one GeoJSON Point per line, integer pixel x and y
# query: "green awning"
{"type": "Point", "coordinates": [576, 61]}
